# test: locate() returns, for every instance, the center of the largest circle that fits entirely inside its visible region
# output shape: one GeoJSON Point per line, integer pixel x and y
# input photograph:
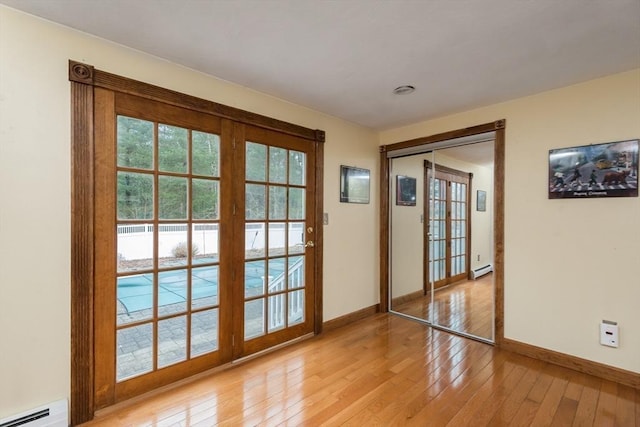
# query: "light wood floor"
{"type": "Point", "coordinates": [465, 306]}
{"type": "Point", "coordinates": [386, 370]}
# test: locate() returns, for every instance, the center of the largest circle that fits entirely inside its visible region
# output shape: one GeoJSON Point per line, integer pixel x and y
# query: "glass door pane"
{"type": "Point", "coordinates": [438, 230]}
{"type": "Point", "coordinates": [167, 225]}
{"type": "Point", "coordinates": [277, 228]}
{"type": "Point", "coordinates": [458, 228]}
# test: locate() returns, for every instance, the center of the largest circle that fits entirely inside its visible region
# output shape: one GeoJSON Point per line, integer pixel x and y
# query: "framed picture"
{"type": "Point", "coordinates": [481, 201]}
{"type": "Point", "coordinates": [354, 185]}
{"type": "Point", "coordinates": [598, 170]}
{"type": "Point", "coordinates": [405, 191]}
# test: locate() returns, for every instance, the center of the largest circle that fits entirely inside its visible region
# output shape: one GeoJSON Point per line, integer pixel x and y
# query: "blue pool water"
{"type": "Point", "coordinates": [136, 292]}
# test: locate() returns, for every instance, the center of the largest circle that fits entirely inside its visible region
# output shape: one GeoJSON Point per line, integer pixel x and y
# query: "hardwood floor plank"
{"type": "Point", "coordinates": [409, 409]}
{"type": "Point", "coordinates": [530, 406]}
{"type": "Point", "coordinates": [638, 407]}
{"type": "Point", "coordinates": [606, 410]}
{"type": "Point", "coordinates": [550, 403]}
{"type": "Point", "coordinates": [461, 389]}
{"type": "Point", "coordinates": [574, 388]}
{"type": "Point", "coordinates": [540, 388]}
{"type": "Point", "coordinates": [367, 407]}
{"type": "Point", "coordinates": [386, 371]}
{"type": "Point", "coordinates": [308, 401]}
{"type": "Point", "coordinates": [566, 412]}
{"type": "Point", "coordinates": [388, 406]}
{"type": "Point", "coordinates": [586, 411]}
{"type": "Point", "coordinates": [364, 418]}
{"type": "Point", "coordinates": [625, 406]}
{"type": "Point", "coordinates": [526, 413]}
{"type": "Point", "coordinates": [356, 390]}
{"type": "Point", "coordinates": [478, 401]}
{"type": "Point", "coordinates": [510, 406]}
{"type": "Point", "coordinates": [484, 415]}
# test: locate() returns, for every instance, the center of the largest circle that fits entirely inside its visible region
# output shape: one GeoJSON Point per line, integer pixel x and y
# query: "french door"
{"type": "Point", "coordinates": [204, 232]}
{"type": "Point", "coordinates": [447, 231]}
{"type": "Point", "coordinates": [274, 260]}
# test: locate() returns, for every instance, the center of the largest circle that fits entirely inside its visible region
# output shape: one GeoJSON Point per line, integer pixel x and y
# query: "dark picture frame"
{"type": "Point", "coordinates": [481, 200]}
{"type": "Point", "coordinates": [594, 171]}
{"type": "Point", "coordinates": [405, 191]}
{"type": "Point", "coordinates": [354, 184]}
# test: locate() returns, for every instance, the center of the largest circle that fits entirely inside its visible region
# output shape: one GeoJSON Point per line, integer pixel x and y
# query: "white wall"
{"type": "Point", "coordinates": [35, 195]}
{"type": "Point", "coordinates": [568, 263]}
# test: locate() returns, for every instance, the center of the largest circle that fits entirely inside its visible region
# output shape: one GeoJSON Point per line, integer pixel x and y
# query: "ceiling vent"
{"type": "Point", "coordinates": [404, 90]}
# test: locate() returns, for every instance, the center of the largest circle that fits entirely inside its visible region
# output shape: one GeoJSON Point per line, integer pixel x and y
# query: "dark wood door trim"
{"type": "Point", "coordinates": [319, 231]}
{"type": "Point", "coordinates": [87, 74]}
{"type": "Point", "coordinates": [82, 254]}
{"type": "Point", "coordinates": [385, 230]}
{"type": "Point", "coordinates": [498, 229]}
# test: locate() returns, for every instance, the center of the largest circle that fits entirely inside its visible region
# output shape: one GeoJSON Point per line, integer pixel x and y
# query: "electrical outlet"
{"type": "Point", "coordinates": [325, 218]}
{"type": "Point", "coordinates": [609, 333]}
{"type": "Point", "coordinates": [478, 257]}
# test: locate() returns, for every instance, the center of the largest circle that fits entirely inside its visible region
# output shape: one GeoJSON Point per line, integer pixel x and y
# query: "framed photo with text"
{"type": "Point", "coordinates": [594, 171]}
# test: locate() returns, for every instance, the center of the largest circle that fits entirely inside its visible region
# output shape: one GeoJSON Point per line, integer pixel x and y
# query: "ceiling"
{"type": "Point", "coordinates": [344, 58]}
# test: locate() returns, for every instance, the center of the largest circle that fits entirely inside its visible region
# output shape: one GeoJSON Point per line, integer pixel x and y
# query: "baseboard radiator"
{"type": "Point", "coordinates": [478, 272]}
{"type": "Point", "coordinates": [55, 414]}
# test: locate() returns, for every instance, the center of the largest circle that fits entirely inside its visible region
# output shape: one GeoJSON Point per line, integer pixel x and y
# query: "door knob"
{"type": "Point", "coordinates": [309, 244]}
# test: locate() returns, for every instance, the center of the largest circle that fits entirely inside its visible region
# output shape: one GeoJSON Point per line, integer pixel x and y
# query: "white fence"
{"type": "Point", "coordinates": [135, 241]}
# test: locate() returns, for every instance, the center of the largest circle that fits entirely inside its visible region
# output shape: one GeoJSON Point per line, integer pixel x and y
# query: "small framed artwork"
{"type": "Point", "coordinates": [405, 191]}
{"type": "Point", "coordinates": [594, 171]}
{"type": "Point", "coordinates": [354, 185]}
{"type": "Point", "coordinates": [481, 201]}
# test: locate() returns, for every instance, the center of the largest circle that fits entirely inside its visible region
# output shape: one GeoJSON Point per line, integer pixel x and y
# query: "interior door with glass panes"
{"type": "Point", "coordinates": [275, 218]}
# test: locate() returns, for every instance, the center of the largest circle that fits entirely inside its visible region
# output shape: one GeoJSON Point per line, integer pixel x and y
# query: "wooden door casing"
{"type": "Point", "coordinates": [92, 93]}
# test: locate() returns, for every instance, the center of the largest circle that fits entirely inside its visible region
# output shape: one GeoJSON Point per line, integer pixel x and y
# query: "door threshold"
{"type": "Point", "coordinates": [272, 349]}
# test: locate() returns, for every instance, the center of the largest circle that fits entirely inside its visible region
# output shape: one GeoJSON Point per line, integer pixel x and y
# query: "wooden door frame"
{"type": "Point", "coordinates": [499, 127]}
{"type": "Point", "coordinates": [242, 135]}
{"type": "Point", "coordinates": [84, 79]}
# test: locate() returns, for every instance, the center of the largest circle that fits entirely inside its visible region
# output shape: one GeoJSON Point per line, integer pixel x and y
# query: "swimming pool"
{"type": "Point", "coordinates": [135, 292]}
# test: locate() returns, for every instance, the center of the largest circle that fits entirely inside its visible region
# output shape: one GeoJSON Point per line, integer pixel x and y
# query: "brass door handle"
{"type": "Point", "coordinates": [309, 244]}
